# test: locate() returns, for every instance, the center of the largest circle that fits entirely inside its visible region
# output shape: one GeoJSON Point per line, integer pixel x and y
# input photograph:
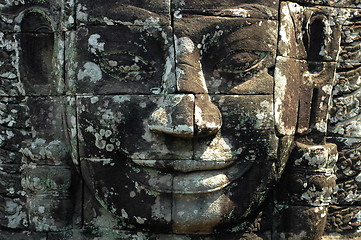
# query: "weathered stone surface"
{"type": "Point", "coordinates": [24, 235]}
{"type": "Point", "coordinates": [42, 51]}
{"type": "Point", "coordinates": [49, 142]}
{"type": "Point", "coordinates": [302, 96]}
{"type": "Point", "coordinates": [120, 60]}
{"type": "Point", "coordinates": [335, 3]}
{"type": "Point", "coordinates": [170, 120]}
{"type": "Point", "coordinates": [311, 33]}
{"type": "Point", "coordinates": [10, 83]}
{"type": "Point", "coordinates": [174, 116]}
{"type": "Point", "coordinates": [48, 197]}
{"type": "Point", "coordinates": [347, 171]}
{"type": "Point", "coordinates": [286, 94]}
{"type": "Point", "coordinates": [344, 221]}
{"type": "Point", "coordinates": [300, 222]}
{"type": "Point", "coordinates": [258, 9]}
{"type": "Point", "coordinates": [112, 124]}
{"type": "Point", "coordinates": [189, 213]}
{"type": "Point", "coordinates": [149, 188]}
{"type": "Point", "coordinates": [138, 12]}
{"type": "Point", "coordinates": [309, 179]}
{"type": "Point", "coordinates": [207, 116]}
{"type": "Point", "coordinates": [247, 130]}
{"type": "Point", "coordinates": [14, 13]}
{"type": "Point", "coordinates": [10, 181]}
{"type": "Point", "coordinates": [232, 55]}
{"type": "Point", "coordinates": [13, 213]}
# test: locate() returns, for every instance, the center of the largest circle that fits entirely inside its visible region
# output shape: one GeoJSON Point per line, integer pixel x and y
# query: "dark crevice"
{"type": "Point", "coordinates": [314, 40]}
{"type": "Point", "coordinates": [314, 107]}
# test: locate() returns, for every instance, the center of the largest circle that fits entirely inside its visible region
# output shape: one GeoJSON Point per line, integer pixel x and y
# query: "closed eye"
{"type": "Point", "coordinates": [240, 61]}
{"type": "Point", "coordinates": [120, 63]}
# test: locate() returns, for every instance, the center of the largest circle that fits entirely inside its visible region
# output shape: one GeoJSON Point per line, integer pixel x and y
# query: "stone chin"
{"type": "Point", "coordinates": [199, 200]}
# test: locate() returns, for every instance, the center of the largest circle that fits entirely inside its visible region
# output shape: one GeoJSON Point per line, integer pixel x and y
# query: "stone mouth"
{"type": "Point", "coordinates": [195, 182]}
{"type": "Point", "coordinates": [185, 165]}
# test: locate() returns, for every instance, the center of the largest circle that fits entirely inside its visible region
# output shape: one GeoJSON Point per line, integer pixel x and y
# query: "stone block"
{"type": "Point", "coordinates": [247, 130]}
{"type": "Point", "coordinates": [232, 55]}
{"type": "Point", "coordinates": [14, 112]}
{"type": "Point", "coordinates": [302, 94]}
{"type": "Point", "coordinates": [40, 62]}
{"type": "Point", "coordinates": [48, 202]}
{"type": "Point", "coordinates": [49, 142]}
{"type": "Point", "coordinates": [112, 124]}
{"type": "Point", "coordinates": [9, 82]}
{"type": "Point", "coordinates": [263, 10]}
{"type": "Point", "coordinates": [120, 59]}
{"type": "Point", "coordinates": [149, 188]}
{"type": "Point", "coordinates": [309, 33]}
{"type": "Point", "coordinates": [300, 222]}
{"type": "Point", "coordinates": [344, 221]}
{"type": "Point", "coordinates": [23, 235]}
{"type": "Point", "coordinates": [13, 213]}
{"type": "Point", "coordinates": [16, 14]}
{"type": "Point", "coordinates": [174, 116]}
{"type": "Point", "coordinates": [349, 19]}
{"type": "Point", "coordinates": [201, 212]}
{"type": "Point", "coordinates": [10, 180]}
{"type": "Point", "coordinates": [153, 12]}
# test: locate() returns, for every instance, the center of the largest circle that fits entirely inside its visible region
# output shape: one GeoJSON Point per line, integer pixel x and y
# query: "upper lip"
{"type": "Point", "coordinates": [190, 182]}
{"type": "Point", "coordinates": [185, 165]}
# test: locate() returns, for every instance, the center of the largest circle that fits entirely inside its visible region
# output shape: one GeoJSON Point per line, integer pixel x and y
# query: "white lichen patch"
{"type": "Point", "coordinates": [327, 89]}
{"type": "Point", "coordinates": [219, 149]}
{"type": "Point", "coordinates": [94, 100]}
{"type": "Point", "coordinates": [285, 25]}
{"type": "Point", "coordinates": [124, 214]}
{"type": "Point", "coordinates": [90, 70]}
{"type": "Point", "coordinates": [321, 126]}
{"type": "Point", "coordinates": [81, 13]}
{"type": "Point", "coordinates": [160, 116]}
{"type": "Point", "coordinates": [140, 220]}
{"type": "Point", "coordinates": [168, 78]}
{"type": "Point", "coordinates": [121, 99]}
{"type": "Point", "coordinates": [15, 215]}
{"type": "Point", "coordinates": [184, 45]}
{"type": "Point", "coordinates": [104, 161]}
{"type": "Point", "coordinates": [279, 96]}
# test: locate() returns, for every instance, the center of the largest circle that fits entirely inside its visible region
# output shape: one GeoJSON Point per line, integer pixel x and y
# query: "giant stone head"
{"type": "Point", "coordinates": [182, 115]}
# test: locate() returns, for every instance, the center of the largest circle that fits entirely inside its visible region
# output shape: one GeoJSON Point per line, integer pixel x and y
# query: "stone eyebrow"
{"type": "Point", "coordinates": [242, 10]}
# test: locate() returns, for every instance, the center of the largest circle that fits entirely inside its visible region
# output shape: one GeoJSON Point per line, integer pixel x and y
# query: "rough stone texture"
{"type": "Point", "coordinates": [176, 119]}
{"type": "Point", "coordinates": [123, 12]}
{"type": "Point", "coordinates": [246, 9]}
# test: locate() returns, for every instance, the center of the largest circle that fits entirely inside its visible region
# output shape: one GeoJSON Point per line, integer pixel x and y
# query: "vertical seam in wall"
{"type": "Point", "coordinates": [274, 109]}
{"type": "Point", "coordinates": [164, 91]}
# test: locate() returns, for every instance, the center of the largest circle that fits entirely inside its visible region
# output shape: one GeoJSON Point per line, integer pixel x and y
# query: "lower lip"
{"type": "Point", "coordinates": [203, 181]}
{"type": "Point", "coordinates": [186, 165]}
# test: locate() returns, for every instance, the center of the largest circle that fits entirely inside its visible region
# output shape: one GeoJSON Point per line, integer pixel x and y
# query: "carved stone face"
{"type": "Point", "coordinates": [176, 124]}
{"type": "Point", "coordinates": [179, 114]}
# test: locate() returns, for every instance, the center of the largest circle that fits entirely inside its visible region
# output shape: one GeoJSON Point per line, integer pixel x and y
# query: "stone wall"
{"type": "Point", "coordinates": [56, 81]}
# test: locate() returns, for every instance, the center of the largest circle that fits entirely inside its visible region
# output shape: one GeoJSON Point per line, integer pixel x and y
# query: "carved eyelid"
{"type": "Point", "coordinates": [259, 59]}
{"type": "Point", "coordinates": [131, 59]}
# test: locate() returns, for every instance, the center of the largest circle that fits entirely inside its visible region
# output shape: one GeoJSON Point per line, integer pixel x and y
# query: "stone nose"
{"type": "Point", "coordinates": [189, 73]}
{"type": "Point", "coordinates": [189, 112]}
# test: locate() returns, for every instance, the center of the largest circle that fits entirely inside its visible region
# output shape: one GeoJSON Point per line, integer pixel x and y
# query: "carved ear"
{"type": "Point", "coordinates": [37, 51]}
{"type": "Point", "coordinates": [304, 75]}
{"type": "Point", "coordinates": [317, 74]}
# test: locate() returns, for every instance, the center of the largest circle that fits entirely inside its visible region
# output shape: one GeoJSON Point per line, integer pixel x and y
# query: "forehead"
{"type": "Point", "coordinates": [139, 12]}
